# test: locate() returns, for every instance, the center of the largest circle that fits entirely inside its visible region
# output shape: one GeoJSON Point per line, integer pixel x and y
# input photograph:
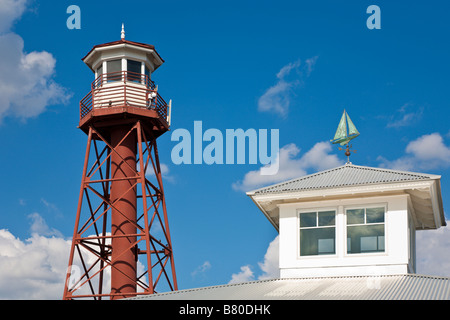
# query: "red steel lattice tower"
{"type": "Point", "coordinates": [121, 244]}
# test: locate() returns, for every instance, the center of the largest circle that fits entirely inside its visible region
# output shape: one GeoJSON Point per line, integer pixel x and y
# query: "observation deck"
{"type": "Point", "coordinates": [118, 97]}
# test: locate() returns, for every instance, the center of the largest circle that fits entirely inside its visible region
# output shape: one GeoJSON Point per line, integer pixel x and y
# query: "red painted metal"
{"type": "Point", "coordinates": [121, 244]}
{"type": "Point", "coordinates": [123, 194]}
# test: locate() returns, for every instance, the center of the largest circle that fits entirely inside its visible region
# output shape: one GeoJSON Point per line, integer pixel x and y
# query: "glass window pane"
{"type": "Point", "coordinates": [374, 215]}
{"type": "Point", "coordinates": [113, 69]}
{"type": "Point", "coordinates": [147, 73]}
{"type": "Point", "coordinates": [326, 218]}
{"type": "Point", "coordinates": [308, 219]}
{"type": "Point", "coordinates": [99, 76]}
{"type": "Point", "coordinates": [367, 238]}
{"type": "Point", "coordinates": [355, 216]}
{"type": "Point", "coordinates": [326, 246]}
{"type": "Point", "coordinates": [114, 66]}
{"type": "Point", "coordinates": [381, 243]}
{"type": "Point", "coordinates": [369, 244]}
{"type": "Point", "coordinates": [134, 70]}
{"type": "Point", "coordinates": [134, 66]}
{"type": "Point", "coordinates": [317, 241]}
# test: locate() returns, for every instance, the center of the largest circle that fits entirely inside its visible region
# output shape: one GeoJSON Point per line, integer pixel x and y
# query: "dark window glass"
{"type": "Point", "coordinates": [308, 219]}
{"type": "Point", "coordinates": [365, 230]}
{"type": "Point", "coordinates": [113, 69]}
{"type": "Point", "coordinates": [365, 238]}
{"type": "Point", "coordinates": [327, 218]}
{"type": "Point", "coordinates": [375, 215]}
{"type": "Point", "coordinates": [317, 233]}
{"type": "Point", "coordinates": [99, 80]}
{"type": "Point", "coordinates": [355, 216]}
{"type": "Point", "coordinates": [147, 73]}
{"type": "Point", "coordinates": [100, 70]}
{"type": "Point", "coordinates": [134, 70]}
{"type": "Point", "coordinates": [317, 241]}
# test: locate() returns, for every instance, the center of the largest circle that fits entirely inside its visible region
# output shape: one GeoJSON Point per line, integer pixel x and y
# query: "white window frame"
{"type": "Point", "coordinates": [365, 206]}
{"type": "Point", "coordinates": [336, 226]}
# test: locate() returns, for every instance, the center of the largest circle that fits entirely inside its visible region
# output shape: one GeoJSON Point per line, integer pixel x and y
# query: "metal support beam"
{"type": "Point", "coordinates": [105, 256]}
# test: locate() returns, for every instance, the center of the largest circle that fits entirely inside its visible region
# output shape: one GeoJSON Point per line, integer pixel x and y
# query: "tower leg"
{"type": "Point", "coordinates": [164, 254]}
{"type": "Point", "coordinates": [123, 217]}
{"type": "Point", "coordinates": [166, 222]}
{"type": "Point", "coordinates": [67, 283]}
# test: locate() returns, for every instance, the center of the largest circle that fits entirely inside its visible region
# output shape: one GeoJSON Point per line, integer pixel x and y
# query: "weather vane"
{"type": "Point", "coordinates": [344, 136]}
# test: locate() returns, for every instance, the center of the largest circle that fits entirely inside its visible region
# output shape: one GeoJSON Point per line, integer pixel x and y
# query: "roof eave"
{"type": "Point", "coordinates": [266, 214]}
{"type": "Point", "coordinates": [437, 204]}
{"type": "Point", "coordinates": [343, 190]}
{"type": "Point", "coordinates": [117, 44]}
{"type": "Point", "coordinates": [278, 198]}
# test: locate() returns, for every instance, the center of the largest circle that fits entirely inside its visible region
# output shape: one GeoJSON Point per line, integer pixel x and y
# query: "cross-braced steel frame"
{"type": "Point", "coordinates": [90, 263]}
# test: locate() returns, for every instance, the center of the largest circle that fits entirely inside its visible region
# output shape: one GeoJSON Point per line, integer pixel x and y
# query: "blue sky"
{"type": "Point", "coordinates": [287, 65]}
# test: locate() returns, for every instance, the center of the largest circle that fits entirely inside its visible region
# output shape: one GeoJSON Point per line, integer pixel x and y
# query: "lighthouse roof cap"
{"type": "Point", "coordinates": [124, 43]}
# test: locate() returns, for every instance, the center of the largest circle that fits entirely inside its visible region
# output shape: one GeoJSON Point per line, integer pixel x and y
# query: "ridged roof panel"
{"type": "Point", "coordinates": [344, 176]}
{"type": "Point", "coordinates": [388, 287]}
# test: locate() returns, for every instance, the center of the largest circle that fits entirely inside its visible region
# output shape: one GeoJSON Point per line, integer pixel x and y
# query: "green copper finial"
{"type": "Point", "coordinates": [344, 136]}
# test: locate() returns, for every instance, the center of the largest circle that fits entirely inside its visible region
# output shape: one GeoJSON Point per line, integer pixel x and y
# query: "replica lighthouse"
{"type": "Point", "coordinates": [121, 244]}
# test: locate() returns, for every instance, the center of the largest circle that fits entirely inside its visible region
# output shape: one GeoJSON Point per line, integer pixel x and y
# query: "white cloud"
{"type": "Point", "coordinates": [51, 207]}
{"type": "Point", "coordinates": [202, 268]}
{"type": "Point", "coordinates": [164, 169]}
{"type": "Point", "coordinates": [402, 118]}
{"type": "Point", "coordinates": [270, 264]}
{"type": "Point", "coordinates": [319, 158]}
{"type": "Point", "coordinates": [432, 248]}
{"type": "Point", "coordinates": [246, 274]}
{"type": "Point", "coordinates": [269, 267]}
{"type": "Point", "coordinates": [425, 153]}
{"type": "Point", "coordinates": [277, 98]}
{"type": "Point", "coordinates": [34, 268]}
{"type": "Point", "coordinates": [40, 227]}
{"type": "Point", "coordinates": [164, 172]}
{"type": "Point", "coordinates": [310, 63]}
{"type": "Point", "coordinates": [290, 167]}
{"type": "Point", "coordinates": [26, 84]}
{"type": "Point", "coordinates": [284, 71]}
{"type": "Point", "coordinates": [429, 148]}
{"type": "Point", "coordinates": [10, 10]}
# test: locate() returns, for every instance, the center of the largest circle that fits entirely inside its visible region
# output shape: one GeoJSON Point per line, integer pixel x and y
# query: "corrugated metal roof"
{"type": "Point", "coordinates": [344, 176]}
{"type": "Point", "coordinates": [389, 287]}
